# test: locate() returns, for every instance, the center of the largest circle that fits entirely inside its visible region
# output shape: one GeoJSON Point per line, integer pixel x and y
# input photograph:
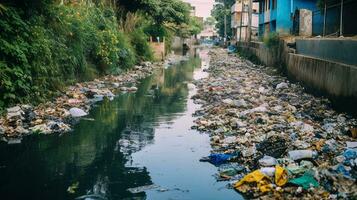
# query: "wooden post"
{"type": "Point", "coordinates": [250, 13]}
{"type": "Point", "coordinates": [241, 21]}
{"type": "Point", "coordinates": [324, 28]}
{"type": "Point", "coordinates": [341, 20]}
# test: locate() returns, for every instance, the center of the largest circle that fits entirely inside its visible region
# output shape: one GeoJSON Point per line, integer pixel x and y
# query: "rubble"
{"type": "Point", "coordinates": [272, 123]}
{"type": "Point", "coordinates": [59, 115]}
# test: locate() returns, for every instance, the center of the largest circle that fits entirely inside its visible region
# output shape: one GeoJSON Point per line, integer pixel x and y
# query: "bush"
{"type": "Point", "coordinates": [140, 43]}
{"type": "Point", "coordinates": [41, 54]}
{"type": "Point", "coordinates": [272, 40]}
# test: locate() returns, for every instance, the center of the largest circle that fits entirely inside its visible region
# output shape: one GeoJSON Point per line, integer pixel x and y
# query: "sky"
{"type": "Point", "coordinates": [203, 7]}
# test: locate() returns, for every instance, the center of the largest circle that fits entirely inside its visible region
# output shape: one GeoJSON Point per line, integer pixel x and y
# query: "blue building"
{"type": "Point", "coordinates": [278, 15]}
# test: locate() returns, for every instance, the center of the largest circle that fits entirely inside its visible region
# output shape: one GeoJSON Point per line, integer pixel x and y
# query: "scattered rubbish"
{"type": "Point", "coordinates": [72, 189]}
{"type": "Point", "coordinates": [306, 181]}
{"type": "Point", "coordinates": [353, 132]}
{"type": "Point", "coordinates": [282, 85]}
{"type": "Point", "coordinates": [350, 154]}
{"type": "Point", "coordinates": [267, 161]}
{"type": "Point", "coordinates": [263, 179]}
{"type": "Point", "coordinates": [281, 176]}
{"type": "Point", "coordinates": [274, 146]}
{"type": "Point", "coordinates": [77, 112]}
{"type": "Point", "coordinates": [144, 188]}
{"type": "Point", "coordinates": [259, 179]}
{"type": "Point", "coordinates": [300, 169]}
{"type": "Point", "coordinates": [54, 116]}
{"type": "Point", "coordinates": [351, 145]}
{"type": "Point", "coordinates": [217, 158]}
{"type": "Point", "coordinates": [251, 109]}
{"type": "Point", "coordinates": [269, 171]}
{"type": "Point", "coordinates": [14, 141]}
{"type": "Point", "coordinates": [91, 197]}
{"type": "Point", "coordinates": [341, 169]}
{"type": "Point", "coordinates": [301, 154]}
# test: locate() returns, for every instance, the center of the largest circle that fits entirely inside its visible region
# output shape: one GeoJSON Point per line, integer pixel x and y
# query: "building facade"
{"type": "Point", "coordinates": [240, 20]}
{"type": "Point", "coordinates": [278, 15]}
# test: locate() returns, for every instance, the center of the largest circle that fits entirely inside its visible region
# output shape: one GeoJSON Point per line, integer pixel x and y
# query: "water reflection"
{"type": "Point", "coordinates": [95, 160]}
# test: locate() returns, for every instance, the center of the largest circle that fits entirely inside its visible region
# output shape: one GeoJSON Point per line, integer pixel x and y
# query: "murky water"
{"type": "Point", "coordinates": [135, 140]}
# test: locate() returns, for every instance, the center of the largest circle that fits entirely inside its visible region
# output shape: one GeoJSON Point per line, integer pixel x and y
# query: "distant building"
{"type": "Point", "coordinates": [278, 15]}
{"type": "Point", "coordinates": [240, 20]}
{"type": "Point", "coordinates": [193, 11]}
{"type": "Point", "coordinates": [209, 32]}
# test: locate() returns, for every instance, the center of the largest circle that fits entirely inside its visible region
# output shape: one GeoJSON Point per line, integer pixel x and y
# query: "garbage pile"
{"type": "Point", "coordinates": [59, 115]}
{"type": "Point", "coordinates": [270, 139]}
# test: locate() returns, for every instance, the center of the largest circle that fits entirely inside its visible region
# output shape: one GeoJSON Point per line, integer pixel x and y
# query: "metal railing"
{"type": "Point", "coordinates": [336, 18]}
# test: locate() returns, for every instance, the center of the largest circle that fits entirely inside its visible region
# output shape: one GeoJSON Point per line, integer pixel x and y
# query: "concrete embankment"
{"type": "Point", "coordinates": [320, 72]}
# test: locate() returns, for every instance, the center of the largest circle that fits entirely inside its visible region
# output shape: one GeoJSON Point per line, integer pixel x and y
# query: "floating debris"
{"type": "Point", "coordinates": [142, 188]}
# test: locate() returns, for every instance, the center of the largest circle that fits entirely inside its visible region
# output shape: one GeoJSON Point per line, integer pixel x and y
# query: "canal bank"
{"type": "Point", "coordinates": [138, 139]}
{"type": "Point", "coordinates": [279, 141]}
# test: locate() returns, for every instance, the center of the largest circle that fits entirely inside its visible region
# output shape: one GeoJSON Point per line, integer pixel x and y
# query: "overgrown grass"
{"type": "Point", "coordinates": [41, 54]}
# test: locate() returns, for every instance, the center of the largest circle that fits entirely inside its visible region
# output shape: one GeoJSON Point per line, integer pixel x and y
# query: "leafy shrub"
{"type": "Point", "coordinates": [272, 40]}
{"type": "Point", "coordinates": [41, 54]}
{"type": "Point", "coordinates": [15, 76]}
{"type": "Point", "coordinates": [139, 41]}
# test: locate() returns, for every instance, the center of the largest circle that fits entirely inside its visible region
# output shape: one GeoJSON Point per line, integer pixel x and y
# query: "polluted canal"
{"type": "Point", "coordinates": [138, 139]}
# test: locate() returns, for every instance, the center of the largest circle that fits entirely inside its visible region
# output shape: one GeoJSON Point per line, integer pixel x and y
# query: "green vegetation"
{"type": "Point", "coordinates": [210, 21]}
{"type": "Point", "coordinates": [220, 9]}
{"type": "Point", "coordinates": [46, 45]}
{"type": "Point", "coordinates": [271, 40]}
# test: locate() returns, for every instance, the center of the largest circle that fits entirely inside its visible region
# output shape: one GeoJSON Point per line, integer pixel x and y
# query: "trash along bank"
{"type": "Point", "coordinates": [60, 114]}
{"type": "Point", "coordinates": [270, 138]}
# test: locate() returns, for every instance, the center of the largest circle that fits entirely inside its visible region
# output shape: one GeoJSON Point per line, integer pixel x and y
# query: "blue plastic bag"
{"type": "Point", "coordinates": [350, 154]}
{"type": "Point", "coordinates": [219, 158]}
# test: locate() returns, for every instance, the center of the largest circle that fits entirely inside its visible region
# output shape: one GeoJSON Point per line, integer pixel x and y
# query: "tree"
{"type": "Point", "coordinates": [193, 27]}
{"type": "Point", "coordinates": [161, 11]}
{"type": "Point", "coordinates": [220, 9]}
{"type": "Point", "coordinates": [162, 15]}
{"type": "Point", "coordinates": [210, 21]}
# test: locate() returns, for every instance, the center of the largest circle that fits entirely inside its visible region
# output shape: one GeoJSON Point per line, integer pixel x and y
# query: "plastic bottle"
{"type": "Point", "coordinates": [267, 161]}
{"type": "Point", "coordinates": [269, 171]}
{"type": "Point", "coordinates": [301, 154]}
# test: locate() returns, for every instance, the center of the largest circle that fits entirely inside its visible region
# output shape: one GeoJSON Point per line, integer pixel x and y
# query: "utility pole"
{"type": "Point", "coordinates": [241, 21]}
{"type": "Point", "coordinates": [341, 20]}
{"type": "Point", "coordinates": [324, 28]}
{"type": "Point", "coordinates": [250, 12]}
{"type": "Point", "coordinates": [225, 26]}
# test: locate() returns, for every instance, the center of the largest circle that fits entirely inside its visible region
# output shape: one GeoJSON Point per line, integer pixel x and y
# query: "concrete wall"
{"type": "Point", "coordinates": [305, 24]}
{"type": "Point", "coordinates": [337, 50]}
{"type": "Point", "coordinates": [333, 79]}
{"type": "Point", "coordinates": [263, 53]}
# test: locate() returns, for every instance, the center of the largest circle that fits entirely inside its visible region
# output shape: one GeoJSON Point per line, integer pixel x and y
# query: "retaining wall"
{"type": "Point", "coordinates": [337, 50]}
{"type": "Point", "coordinates": [334, 79]}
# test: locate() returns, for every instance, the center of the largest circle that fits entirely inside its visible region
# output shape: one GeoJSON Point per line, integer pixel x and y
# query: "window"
{"type": "Point", "coordinates": [266, 5]}
{"type": "Point", "coordinates": [261, 7]}
{"type": "Point", "coordinates": [274, 4]}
